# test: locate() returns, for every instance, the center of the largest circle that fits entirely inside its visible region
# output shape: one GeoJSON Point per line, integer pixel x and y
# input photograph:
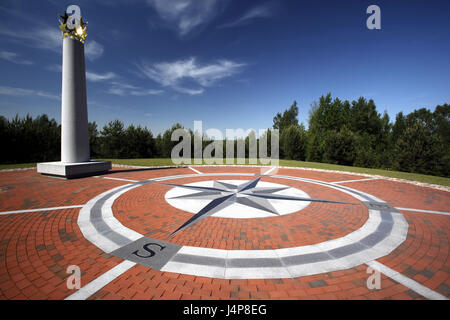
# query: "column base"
{"type": "Point", "coordinates": [73, 170]}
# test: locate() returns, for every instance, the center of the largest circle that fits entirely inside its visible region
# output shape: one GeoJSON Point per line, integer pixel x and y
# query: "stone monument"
{"type": "Point", "coordinates": [75, 154]}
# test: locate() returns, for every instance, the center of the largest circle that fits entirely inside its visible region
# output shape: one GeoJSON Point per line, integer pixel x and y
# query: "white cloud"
{"type": "Point", "coordinates": [54, 67]}
{"type": "Point", "coordinates": [42, 37]}
{"type": "Point", "coordinates": [124, 89]}
{"type": "Point", "coordinates": [171, 74]}
{"type": "Point", "coordinates": [95, 77]}
{"type": "Point", "coordinates": [14, 58]}
{"type": "Point", "coordinates": [187, 15]}
{"type": "Point", "coordinates": [93, 50]}
{"type": "Point", "coordinates": [262, 11]}
{"type": "Point", "coordinates": [145, 92]}
{"type": "Point", "coordinates": [20, 92]}
{"type": "Point", "coordinates": [51, 39]}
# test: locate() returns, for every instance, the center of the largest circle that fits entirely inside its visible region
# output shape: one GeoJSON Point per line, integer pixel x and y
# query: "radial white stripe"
{"type": "Point", "coordinates": [407, 282]}
{"type": "Point", "coordinates": [118, 179]}
{"type": "Point", "coordinates": [41, 209]}
{"type": "Point", "coordinates": [426, 211]}
{"type": "Point", "coordinates": [356, 180]}
{"type": "Point", "coordinates": [100, 282]}
{"type": "Point", "coordinates": [195, 170]}
{"type": "Point", "coordinates": [270, 170]}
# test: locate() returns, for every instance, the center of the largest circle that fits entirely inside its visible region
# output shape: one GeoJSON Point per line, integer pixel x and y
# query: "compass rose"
{"type": "Point", "coordinates": [223, 195]}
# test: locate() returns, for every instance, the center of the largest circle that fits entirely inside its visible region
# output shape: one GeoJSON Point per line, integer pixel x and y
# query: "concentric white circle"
{"type": "Point", "coordinates": [384, 230]}
{"type": "Point", "coordinates": [236, 210]}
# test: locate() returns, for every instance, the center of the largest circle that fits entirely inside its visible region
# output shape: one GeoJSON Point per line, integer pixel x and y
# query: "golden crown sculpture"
{"type": "Point", "coordinates": [78, 33]}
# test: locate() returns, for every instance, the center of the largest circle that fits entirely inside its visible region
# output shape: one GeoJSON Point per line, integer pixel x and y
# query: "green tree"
{"type": "Point", "coordinates": [288, 118]}
{"type": "Point", "coordinates": [94, 140]}
{"type": "Point", "coordinates": [339, 147]}
{"type": "Point", "coordinates": [328, 115]}
{"type": "Point", "coordinates": [293, 142]}
{"type": "Point", "coordinates": [139, 142]}
{"type": "Point", "coordinates": [113, 140]}
{"type": "Point", "coordinates": [417, 150]}
{"type": "Point", "coordinates": [166, 143]}
{"type": "Point", "coordinates": [364, 117]}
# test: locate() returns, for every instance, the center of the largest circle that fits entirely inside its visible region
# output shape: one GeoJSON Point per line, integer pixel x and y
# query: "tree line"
{"type": "Point", "coordinates": [339, 132]}
{"type": "Point", "coordinates": [355, 134]}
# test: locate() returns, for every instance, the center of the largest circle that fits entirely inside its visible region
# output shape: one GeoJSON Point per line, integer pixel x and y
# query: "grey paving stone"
{"type": "Point", "coordinates": [444, 288]}
{"type": "Point", "coordinates": [257, 262]}
{"type": "Point", "coordinates": [347, 250]}
{"type": "Point", "coordinates": [373, 238]}
{"type": "Point", "coordinates": [385, 227]}
{"type": "Point", "coordinates": [379, 206]}
{"type": "Point", "coordinates": [413, 294]}
{"type": "Point", "coordinates": [162, 252]}
{"type": "Point", "coordinates": [201, 260]}
{"type": "Point", "coordinates": [410, 272]}
{"type": "Point", "coordinates": [386, 216]}
{"type": "Point", "coordinates": [318, 283]}
{"type": "Point", "coordinates": [306, 258]}
{"type": "Point", "coordinates": [427, 273]}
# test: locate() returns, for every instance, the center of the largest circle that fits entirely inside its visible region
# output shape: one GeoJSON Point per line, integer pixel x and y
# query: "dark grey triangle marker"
{"type": "Point", "coordinates": [265, 190]}
{"type": "Point", "coordinates": [224, 185]}
{"type": "Point", "coordinates": [209, 209]}
{"type": "Point", "coordinates": [204, 195]}
{"type": "Point", "coordinates": [282, 197]}
{"type": "Point", "coordinates": [261, 204]}
{"type": "Point", "coordinates": [249, 185]}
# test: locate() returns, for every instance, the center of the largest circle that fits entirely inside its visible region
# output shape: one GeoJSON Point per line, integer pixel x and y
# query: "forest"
{"type": "Point", "coordinates": [339, 132]}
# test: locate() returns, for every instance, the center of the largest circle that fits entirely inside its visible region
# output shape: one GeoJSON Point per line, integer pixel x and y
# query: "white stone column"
{"type": "Point", "coordinates": [75, 154]}
{"type": "Point", "coordinates": [74, 115]}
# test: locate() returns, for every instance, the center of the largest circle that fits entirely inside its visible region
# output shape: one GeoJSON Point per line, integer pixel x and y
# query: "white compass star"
{"type": "Point", "coordinates": [224, 194]}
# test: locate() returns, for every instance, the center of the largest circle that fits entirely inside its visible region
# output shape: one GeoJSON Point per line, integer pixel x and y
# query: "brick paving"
{"type": "Point", "coordinates": [37, 247]}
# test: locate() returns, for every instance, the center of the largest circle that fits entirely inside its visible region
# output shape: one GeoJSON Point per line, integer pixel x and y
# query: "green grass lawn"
{"type": "Point", "coordinates": [292, 163]}
{"type": "Point", "coordinates": [286, 163]}
{"type": "Point", "coordinates": [17, 166]}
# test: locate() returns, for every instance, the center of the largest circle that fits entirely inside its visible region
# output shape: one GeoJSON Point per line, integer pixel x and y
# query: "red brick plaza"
{"type": "Point", "coordinates": [117, 229]}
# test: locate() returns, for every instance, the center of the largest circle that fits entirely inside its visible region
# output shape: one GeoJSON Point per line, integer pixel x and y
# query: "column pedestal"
{"type": "Point", "coordinates": [73, 170]}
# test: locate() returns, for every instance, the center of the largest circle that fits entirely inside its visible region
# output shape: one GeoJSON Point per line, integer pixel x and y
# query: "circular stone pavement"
{"type": "Point", "coordinates": [224, 224]}
{"type": "Point", "coordinates": [384, 230]}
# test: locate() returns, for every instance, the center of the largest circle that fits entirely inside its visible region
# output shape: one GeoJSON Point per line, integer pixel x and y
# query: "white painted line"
{"type": "Point", "coordinates": [270, 170]}
{"type": "Point", "coordinates": [195, 170]}
{"type": "Point", "coordinates": [118, 179]}
{"type": "Point", "coordinates": [98, 283]}
{"type": "Point", "coordinates": [41, 209]}
{"type": "Point", "coordinates": [357, 180]}
{"type": "Point", "coordinates": [407, 282]}
{"type": "Point", "coordinates": [426, 211]}
{"type": "Point", "coordinates": [194, 269]}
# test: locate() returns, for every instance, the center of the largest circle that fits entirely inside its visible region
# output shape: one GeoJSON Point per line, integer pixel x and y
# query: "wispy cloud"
{"type": "Point", "coordinates": [261, 11]}
{"type": "Point", "coordinates": [42, 37]}
{"type": "Point", "coordinates": [20, 92]}
{"type": "Point", "coordinates": [49, 38]}
{"type": "Point", "coordinates": [187, 15]}
{"type": "Point", "coordinates": [96, 77]}
{"type": "Point", "coordinates": [93, 50]}
{"type": "Point", "coordinates": [125, 89]}
{"type": "Point", "coordinates": [172, 74]}
{"type": "Point", "coordinates": [54, 67]}
{"type": "Point", "coordinates": [14, 58]}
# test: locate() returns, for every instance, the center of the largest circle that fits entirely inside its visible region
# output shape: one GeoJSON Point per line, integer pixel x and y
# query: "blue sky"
{"type": "Point", "coordinates": [231, 64]}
